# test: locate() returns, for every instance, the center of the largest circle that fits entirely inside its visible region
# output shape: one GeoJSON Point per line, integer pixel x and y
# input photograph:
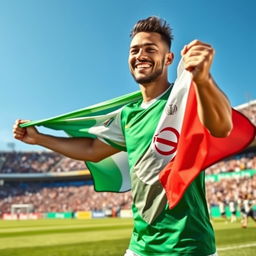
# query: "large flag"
{"type": "Point", "coordinates": [180, 139]}
{"type": "Point", "coordinates": [198, 149]}
{"type": "Point", "coordinates": [111, 174]}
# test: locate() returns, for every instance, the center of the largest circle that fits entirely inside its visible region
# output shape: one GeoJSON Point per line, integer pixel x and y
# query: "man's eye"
{"type": "Point", "coordinates": [151, 50]}
{"type": "Point", "coordinates": [134, 51]}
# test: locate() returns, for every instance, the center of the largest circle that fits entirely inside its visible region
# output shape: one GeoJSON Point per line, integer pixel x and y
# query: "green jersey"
{"type": "Point", "coordinates": [158, 230]}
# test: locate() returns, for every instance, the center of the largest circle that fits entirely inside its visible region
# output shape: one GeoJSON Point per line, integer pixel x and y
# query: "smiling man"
{"type": "Point", "coordinates": [186, 229]}
{"type": "Point", "coordinates": [148, 62]}
{"type": "Point", "coordinates": [148, 58]}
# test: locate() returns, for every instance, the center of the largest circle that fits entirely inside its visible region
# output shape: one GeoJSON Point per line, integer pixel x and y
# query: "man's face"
{"type": "Point", "coordinates": [148, 57]}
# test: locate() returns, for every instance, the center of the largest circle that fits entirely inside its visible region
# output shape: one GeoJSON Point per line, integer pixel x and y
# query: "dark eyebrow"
{"type": "Point", "coordinates": [140, 45]}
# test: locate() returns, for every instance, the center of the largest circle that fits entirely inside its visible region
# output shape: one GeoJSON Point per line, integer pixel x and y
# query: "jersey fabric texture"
{"type": "Point", "coordinates": [184, 230]}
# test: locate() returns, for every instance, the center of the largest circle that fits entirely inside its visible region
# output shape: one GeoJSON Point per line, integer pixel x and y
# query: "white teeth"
{"type": "Point", "coordinates": [143, 66]}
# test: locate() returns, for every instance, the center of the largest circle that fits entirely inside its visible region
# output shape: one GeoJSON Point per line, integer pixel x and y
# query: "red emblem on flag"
{"type": "Point", "coordinates": [166, 141]}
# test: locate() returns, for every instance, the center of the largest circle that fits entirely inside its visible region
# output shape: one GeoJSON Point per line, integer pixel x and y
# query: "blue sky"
{"type": "Point", "coordinates": [57, 56]}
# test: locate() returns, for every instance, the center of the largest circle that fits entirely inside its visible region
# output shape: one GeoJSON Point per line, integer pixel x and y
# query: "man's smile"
{"type": "Point", "coordinates": [141, 65]}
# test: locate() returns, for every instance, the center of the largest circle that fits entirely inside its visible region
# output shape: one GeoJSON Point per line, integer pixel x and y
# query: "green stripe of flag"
{"type": "Point", "coordinates": [95, 110]}
{"type": "Point", "coordinates": [112, 173]}
{"type": "Point", "coordinates": [100, 175]}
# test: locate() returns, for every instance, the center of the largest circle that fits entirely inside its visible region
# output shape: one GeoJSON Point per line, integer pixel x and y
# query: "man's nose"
{"type": "Point", "coordinates": [141, 55]}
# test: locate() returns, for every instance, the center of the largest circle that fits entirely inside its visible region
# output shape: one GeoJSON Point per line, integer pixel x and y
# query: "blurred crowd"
{"type": "Point", "coordinates": [236, 194]}
{"type": "Point", "coordinates": [61, 198]}
{"type": "Point", "coordinates": [72, 198]}
{"type": "Point", "coordinates": [231, 190]}
{"type": "Point", "coordinates": [34, 162]}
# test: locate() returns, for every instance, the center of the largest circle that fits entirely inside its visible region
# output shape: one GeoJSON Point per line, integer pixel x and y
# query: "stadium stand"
{"type": "Point", "coordinates": [27, 162]}
{"type": "Point", "coordinates": [33, 162]}
{"type": "Point", "coordinates": [60, 197]}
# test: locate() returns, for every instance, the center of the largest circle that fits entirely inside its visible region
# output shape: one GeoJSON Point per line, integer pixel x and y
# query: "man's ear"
{"type": "Point", "coordinates": [169, 59]}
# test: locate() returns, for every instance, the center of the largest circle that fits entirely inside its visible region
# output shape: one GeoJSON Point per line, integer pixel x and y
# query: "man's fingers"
{"type": "Point", "coordinates": [198, 49]}
{"type": "Point", "coordinates": [19, 132]}
{"type": "Point", "coordinates": [193, 63]}
{"type": "Point", "coordinates": [197, 57]}
{"type": "Point", "coordinates": [196, 45]}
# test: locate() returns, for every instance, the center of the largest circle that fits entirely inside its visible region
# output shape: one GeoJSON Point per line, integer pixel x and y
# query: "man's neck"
{"type": "Point", "coordinates": [152, 90]}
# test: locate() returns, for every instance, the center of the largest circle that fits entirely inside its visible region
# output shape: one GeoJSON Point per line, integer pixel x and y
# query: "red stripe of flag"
{"type": "Point", "coordinates": [197, 149]}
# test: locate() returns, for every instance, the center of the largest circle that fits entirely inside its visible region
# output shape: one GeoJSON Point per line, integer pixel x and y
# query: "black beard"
{"type": "Point", "coordinates": [150, 78]}
{"type": "Point", "coordinates": [146, 80]}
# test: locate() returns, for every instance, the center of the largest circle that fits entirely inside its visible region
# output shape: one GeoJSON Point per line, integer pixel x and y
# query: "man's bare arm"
{"type": "Point", "coordinates": [214, 109]}
{"type": "Point", "coordinates": [86, 149]}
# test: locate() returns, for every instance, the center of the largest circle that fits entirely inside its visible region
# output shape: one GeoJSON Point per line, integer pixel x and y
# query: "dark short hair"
{"type": "Point", "coordinates": [154, 24]}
